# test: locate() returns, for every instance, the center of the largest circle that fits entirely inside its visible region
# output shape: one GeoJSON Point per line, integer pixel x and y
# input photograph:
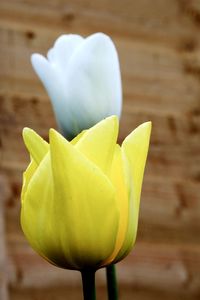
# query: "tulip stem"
{"type": "Point", "coordinates": [88, 281]}
{"type": "Point", "coordinates": [112, 283]}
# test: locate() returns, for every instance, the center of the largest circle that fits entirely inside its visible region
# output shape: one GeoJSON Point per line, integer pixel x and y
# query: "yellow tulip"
{"type": "Point", "coordinates": [80, 199]}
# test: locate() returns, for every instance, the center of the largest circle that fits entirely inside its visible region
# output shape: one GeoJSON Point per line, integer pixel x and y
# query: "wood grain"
{"type": "Point", "coordinates": [5, 193]}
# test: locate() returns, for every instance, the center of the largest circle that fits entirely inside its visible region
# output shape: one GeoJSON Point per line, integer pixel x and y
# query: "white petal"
{"type": "Point", "coordinates": [48, 76]}
{"type": "Point", "coordinates": [94, 82]}
{"type": "Point", "coordinates": [62, 50]}
{"type": "Point", "coordinates": [42, 68]}
{"type": "Point", "coordinates": [50, 55]}
{"type": "Point", "coordinates": [54, 85]}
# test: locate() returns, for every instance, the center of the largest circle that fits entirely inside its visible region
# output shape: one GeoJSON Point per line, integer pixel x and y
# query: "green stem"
{"type": "Point", "coordinates": [88, 281]}
{"type": "Point", "coordinates": [112, 283]}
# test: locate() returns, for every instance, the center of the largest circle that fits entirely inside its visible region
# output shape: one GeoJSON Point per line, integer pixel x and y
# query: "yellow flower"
{"type": "Point", "coordinates": [80, 199]}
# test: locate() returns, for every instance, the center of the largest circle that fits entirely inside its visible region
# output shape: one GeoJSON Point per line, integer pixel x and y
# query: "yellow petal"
{"type": "Point", "coordinates": [98, 143]}
{"type": "Point", "coordinates": [85, 205]}
{"type": "Point", "coordinates": [135, 149]}
{"type": "Point", "coordinates": [27, 175]}
{"type": "Point", "coordinates": [38, 219]}
{"type": "Point", "coordinates": [117, 178]}
{"type": "Point", "coordinates": [33, 210]}
{"type": "Point", "coordinates": [35, 144]}
{"type": "Point", "coordinates": [37, 148]}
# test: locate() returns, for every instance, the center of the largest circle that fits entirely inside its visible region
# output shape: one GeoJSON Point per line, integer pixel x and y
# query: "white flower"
{"type": "Point", "coordinates": [82, 78]}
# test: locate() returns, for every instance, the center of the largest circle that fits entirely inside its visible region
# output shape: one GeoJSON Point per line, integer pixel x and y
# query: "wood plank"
{"type": "Point", "coordinates": [168, 129]}
{"type": "Point", "coordinates": [172, 86]}
{"type": "Point", "coordinates": [149, 266]}
{"type": "Point", "coordinates": [138, 58]}
{"type": "Point", "coordinates": [127, 293]}
{"type": "Point", "coordinates": [3, 249]}
{"type": "Point", "coordinates": [123, 19]}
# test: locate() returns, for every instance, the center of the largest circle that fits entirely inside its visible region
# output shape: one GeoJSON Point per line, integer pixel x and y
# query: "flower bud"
{"type": "Point", "coordinates": [82, 78]}
{"type": "Point", "coordinates": [80, 199]}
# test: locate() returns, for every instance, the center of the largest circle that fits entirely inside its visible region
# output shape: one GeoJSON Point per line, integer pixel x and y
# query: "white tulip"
{"type": "Point", "coordinates": [82, 78]}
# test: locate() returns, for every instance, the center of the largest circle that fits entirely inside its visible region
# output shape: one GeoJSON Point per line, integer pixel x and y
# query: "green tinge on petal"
{"type": "Point", "coordinates": [98, 143]}
{"type": "Point", "coordinates": [135, 150]}
{"type": "Point", "coordinates": [87, 214]}
{"type": "Point", "coordinates": [36, 145]}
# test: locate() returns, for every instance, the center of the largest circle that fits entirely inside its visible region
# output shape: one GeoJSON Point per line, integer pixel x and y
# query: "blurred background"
{"type": "Point", "coordinates": [159, 50]}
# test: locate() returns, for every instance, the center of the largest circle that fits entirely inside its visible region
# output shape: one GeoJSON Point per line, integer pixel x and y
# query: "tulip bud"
{"type": "Point", "coordinates": [80, 199]}
{"type": "Point", "coordinates": [82, 78]}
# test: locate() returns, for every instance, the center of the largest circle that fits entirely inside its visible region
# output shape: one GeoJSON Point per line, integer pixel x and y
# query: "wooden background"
{"type": "Point", "coordinates": [159, 48]}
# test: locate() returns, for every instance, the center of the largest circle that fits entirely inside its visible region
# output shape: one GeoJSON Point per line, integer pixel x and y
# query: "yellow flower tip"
{"type": "Point", "coordinates": [144, 127]}
{"type": "Point", "coordinates": [58, 144]}
{"type": "Point", "coordinates": [112, 120]}
{"type": "Point", "coordinates": [113, 117]}
{"type": "Point", "coordinates": [55, 136]}
{"type": "Point", "coordinates": [115, 121]}
{"type": "Point", "coordinates": [25, 130]}
{"type": "Point", "coordinates": [52, 133]}
{"type": "Point", "coordinates": [26, 134]}
{"type": "Point", "coordinates": [36, 145]}
{"type": "Point", "coordinates": [98, 143]}
{"type": "Point", "coordinates": [142, 132]}
{"type": "Point", "coordinates": [109, 124]}
{"type": "Point", "coordinates": [147, 125]}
